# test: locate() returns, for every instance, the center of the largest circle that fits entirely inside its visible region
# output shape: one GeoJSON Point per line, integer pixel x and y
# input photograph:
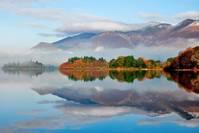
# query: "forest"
{"type": "Point", "coordinates": [187, 59]}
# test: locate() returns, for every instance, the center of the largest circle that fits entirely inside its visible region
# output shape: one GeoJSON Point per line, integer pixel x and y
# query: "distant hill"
{"type": "Point", "coordinates": [151, 35]}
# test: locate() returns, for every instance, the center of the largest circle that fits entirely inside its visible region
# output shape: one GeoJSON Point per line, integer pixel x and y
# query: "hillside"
{"type": "Point", "coordinates": [186, 60]}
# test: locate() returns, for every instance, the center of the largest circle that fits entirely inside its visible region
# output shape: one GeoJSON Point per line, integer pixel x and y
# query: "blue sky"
{"type": "Point", "coordinates": [24, 23]}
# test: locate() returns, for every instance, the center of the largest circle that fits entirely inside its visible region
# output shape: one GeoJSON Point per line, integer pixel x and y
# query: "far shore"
{"type": "Point", "coordinates": [123, 69]}
{"type": "Point", "coordinates": [112, 69]}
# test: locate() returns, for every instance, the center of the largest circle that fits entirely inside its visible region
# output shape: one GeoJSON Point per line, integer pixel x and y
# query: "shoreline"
{"type": "Point", "coordinates": [127, 69]}
{"type": "Point", "coordinates": [112, 69]}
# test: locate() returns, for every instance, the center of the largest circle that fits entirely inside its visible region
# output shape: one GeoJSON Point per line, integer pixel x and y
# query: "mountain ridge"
{"type": "Point", "coordinates": [152, 35]}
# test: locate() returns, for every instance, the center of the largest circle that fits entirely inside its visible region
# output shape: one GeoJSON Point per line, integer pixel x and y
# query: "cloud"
{"type": "Point", "coordinates": [42, 13]}
{"type": "Point", "coordinates": [51, 34]}
{"type": "Point", "coordinates": [66, 22]}
{"type": "Point", "coordinates": [37, 25]}
{"type": "Point", "coordinates": [14, 4]}
{"type": "Point", "coordinates": [72, 23]}
{"type": "Point", "coordinates": [188, 15]}
{"type": "Point", "coordinates": [95, 26]}
{"type": "Point", "coordinates": [151, 16]}
{"type": "Point", "coordinates": [99, 49]}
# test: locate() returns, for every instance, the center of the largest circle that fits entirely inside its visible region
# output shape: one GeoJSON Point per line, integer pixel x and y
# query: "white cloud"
{"type": "Point", "coordinates": [37, 25]}
{"type": "Point", "coordinates": [51, 34]}
{"type": "Point", "coordinates": [66, 22]}
{"type": "Point", "coordinates": [14, 4]}
{"type": "Point", "coordinates": [95, 26]}
{"type": "Point", "coordinates": [42, 13]}
{"type": "Point", "coordinates": [76, 22]}
{"type": "Point", "coordinates": [188, 15]}
{"type": "Point", "coordinates": [98, 49]}
{"type": "Point", "coordinates": [151, 16]}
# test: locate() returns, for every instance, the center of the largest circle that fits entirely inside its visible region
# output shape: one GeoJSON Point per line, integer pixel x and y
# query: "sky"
{"type": "Point", "coordinates": [25, 23]}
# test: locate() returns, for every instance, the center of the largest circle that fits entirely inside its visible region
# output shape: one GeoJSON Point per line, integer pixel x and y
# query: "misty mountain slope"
{"type": "Point", "coordinates": [152, 35]}
{"type": "Point", "coordinates": [76, 40]}
{"type": "Point", "coordinates": [45, 46]}
{"type": "Point", "coordinates": [151, 30]}
{"type": "Point", "coordinates": [111, 40]}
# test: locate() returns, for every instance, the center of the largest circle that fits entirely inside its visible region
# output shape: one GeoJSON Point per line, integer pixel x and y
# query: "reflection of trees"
{"type": "Point", "coordinates": [130, 76]}
{"type": "Point", "coordinates": [85, 75]}
{"type": "Point", "coordinates": [126, 76]}
{"type": "Point", "coordinates": [27, 68]}
{"type": "Point", "coordinates": [32, 72]}
{"type": "Point", "coordinates": [189, 80]}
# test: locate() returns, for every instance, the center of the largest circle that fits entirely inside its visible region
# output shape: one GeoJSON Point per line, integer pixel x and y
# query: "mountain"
{"type": "Point", "coordinates": [151, 35]}
{"type": "Point", "coordinates": [74, 40]}
{"type": "Point", "coordinates": [45, 46]}
{"type": "Point", "coordinates": [188, 29]}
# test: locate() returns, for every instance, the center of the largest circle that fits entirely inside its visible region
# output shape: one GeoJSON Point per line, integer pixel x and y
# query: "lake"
{"type": "Point", "coordinates": [99, 101]}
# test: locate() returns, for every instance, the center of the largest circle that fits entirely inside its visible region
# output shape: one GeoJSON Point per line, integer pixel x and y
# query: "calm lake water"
{"type": "Point", "coordinates": [98, 101]}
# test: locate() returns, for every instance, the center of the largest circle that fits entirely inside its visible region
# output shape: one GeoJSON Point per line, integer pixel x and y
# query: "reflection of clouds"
{"type": "Point", "coordinates": [12, 129]}
{"type": "Point", "coordinates": [47, 123]}
{"type": "Point", "coordinates": [147, 98]}
{"type": "Point", "coordinates": [150, 101]}
{"type": "Point", "coordinates": [171, 118]}
{"type": "Point", "coordinates": [73, 115]}
{"type": "Point", "coordinates": [34, 112]}
{"type": "Point", "coordinates": [98, 88]}
{"type": "Point", "coordinates": [94, 111]}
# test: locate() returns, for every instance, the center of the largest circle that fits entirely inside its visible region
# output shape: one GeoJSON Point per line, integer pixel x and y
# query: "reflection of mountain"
{"type": "Point", "coordinates": [81, 103]}
{"type": "Point", "coordinates": [89, 102]}
{"type": "Point", "coordinates": [189, 80]}
{"type": "Point", "coordinates": [158, 103]}
{"type": "Point", "coordinates": [153, 35]}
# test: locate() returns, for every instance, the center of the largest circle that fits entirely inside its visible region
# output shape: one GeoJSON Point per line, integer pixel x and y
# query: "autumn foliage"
{"type": "Point", "coordinates": [188, 59]}
{"type": "Point", "coordinates": [85, 63]}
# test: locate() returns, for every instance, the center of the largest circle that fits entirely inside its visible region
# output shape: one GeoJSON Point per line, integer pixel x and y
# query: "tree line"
{"type": "Point", "coordinates": [122, 62]}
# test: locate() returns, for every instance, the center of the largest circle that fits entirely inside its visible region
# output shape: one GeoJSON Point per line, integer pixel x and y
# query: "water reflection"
{"type": "Point", "coordinates": [189, 80]}
{"type": "Point", "coordinates": [122, 76]}
{"type": "Point", "coordinates": [28, 71]}
{"type": "Point", "coordinates": [153, 100]}
{"type": "Point", "coordinates": [109, 94]}
{"type": "Point", "coordinates": [85, 75]}
{"type": "Point", "coordinates": [130, 76]}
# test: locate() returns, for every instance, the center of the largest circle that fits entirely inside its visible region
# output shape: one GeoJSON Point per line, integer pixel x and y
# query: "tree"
{"type": "Point", "coordinates": [102, 59]}
{"type": "Point", "coordinates": [140, 63]}
{"type": "Point", "coordinates": [71, 60]}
